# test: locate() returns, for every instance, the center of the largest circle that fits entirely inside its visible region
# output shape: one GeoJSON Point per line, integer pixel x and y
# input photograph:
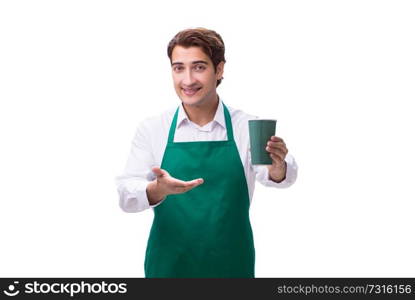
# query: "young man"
{"type": "Point", "coordinates": [192, 166]}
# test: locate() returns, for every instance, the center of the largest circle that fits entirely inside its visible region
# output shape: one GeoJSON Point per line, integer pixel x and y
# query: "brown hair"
{"type": "Point", "coordinates": [209, 41]}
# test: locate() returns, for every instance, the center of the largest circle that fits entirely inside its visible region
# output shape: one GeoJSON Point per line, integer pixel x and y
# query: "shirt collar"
{"type": "Point", "coordinates": [219, 116]}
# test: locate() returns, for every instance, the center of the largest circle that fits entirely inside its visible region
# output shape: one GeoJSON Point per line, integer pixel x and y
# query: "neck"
{"type": "Point", "coordinates": [204, 113]}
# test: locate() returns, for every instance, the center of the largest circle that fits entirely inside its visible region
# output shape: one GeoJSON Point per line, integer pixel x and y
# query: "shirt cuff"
{"type": "Point", "coordinates": [133, 194]}
{"type": "Point", "coordinates": [262, 174]}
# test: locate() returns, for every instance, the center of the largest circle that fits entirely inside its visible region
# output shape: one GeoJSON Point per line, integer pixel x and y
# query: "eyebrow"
{"type": "Point", "coordinates": [193, 62]}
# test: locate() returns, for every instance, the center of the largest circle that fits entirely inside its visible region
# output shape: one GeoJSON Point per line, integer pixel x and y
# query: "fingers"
{"type": "Point", "coordinates": [277, 148]}
{"type": "Point", "coordinates": [179, 186]}
{"type": "Point", "coordinates": [196, 182]}
{"type": "Point", "coordinates": [276, 139]}
{"type": "Point", "coordinates": [277, 153]}
{"type": "Point", "coordinates": [184, 186]}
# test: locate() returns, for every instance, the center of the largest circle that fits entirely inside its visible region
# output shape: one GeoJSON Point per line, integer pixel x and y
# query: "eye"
{"type": "Point", "coordinates": [200, 67]}
{"type": "Point", "coordinates": [177, 68]}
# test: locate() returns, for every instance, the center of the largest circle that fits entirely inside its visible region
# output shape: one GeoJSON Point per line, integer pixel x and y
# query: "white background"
{"type": "Point", "coordinates": [76, 77]}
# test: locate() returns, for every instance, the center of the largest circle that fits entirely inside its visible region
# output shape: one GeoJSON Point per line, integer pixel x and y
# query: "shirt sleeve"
{"type": "Point", "coordinates": [291, 176]}
{"type": "Point", "coordinates": [132, 183]}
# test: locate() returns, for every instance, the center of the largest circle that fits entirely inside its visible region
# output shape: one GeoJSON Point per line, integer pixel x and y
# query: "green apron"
{"type": "Point", "coordinates": [205, 232]}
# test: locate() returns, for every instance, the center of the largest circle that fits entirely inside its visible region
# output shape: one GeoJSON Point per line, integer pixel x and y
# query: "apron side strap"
{"type": "Point", "coordinates": [228, 121]}
{"type": "Point", "coordinates": [173, 127]}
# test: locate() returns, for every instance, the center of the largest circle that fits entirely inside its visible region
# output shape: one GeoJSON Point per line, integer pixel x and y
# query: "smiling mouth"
{"type": "Point", "coordinates": [190, 92]}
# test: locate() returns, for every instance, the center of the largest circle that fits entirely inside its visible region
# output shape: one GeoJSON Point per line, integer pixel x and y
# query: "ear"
{"type": "Point", "coordinates": [219, 70]}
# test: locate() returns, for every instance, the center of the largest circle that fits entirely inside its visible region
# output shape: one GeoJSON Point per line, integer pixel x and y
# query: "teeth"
{"type": "Point", "coordinates": [190, 91]}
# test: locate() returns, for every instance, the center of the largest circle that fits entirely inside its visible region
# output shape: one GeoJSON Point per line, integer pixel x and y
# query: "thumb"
{"type": "Point", "coordinates": [158, 171]}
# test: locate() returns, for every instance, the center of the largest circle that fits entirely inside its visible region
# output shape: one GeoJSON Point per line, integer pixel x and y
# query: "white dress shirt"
{"type": "Point", "coordinates": [150, 141]}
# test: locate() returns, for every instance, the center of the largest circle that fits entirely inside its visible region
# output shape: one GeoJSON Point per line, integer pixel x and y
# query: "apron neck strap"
{"type": "Point", "coordinates": [229, 129]}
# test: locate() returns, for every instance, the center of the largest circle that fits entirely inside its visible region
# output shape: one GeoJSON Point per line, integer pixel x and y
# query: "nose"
{"type": "Point", "coordinates": [188, 78]}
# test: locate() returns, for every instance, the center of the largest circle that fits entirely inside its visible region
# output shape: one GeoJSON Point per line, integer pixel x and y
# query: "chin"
{"type": "Point", "coordinates": [191, 101]}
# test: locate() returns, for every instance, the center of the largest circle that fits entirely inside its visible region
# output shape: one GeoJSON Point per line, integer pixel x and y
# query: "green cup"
{"type": "Point", "coordinates": [260, 131]}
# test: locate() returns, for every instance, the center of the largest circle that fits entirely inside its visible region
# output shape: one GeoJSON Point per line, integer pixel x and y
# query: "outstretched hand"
{"type": "Point", "coordinates": [165, 185]}
{"type": "Point", "coordinates": [170, 185]}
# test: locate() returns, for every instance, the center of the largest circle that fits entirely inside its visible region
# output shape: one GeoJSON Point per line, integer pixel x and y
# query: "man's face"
{"type": "Point", "coordinates": [194, 75]}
